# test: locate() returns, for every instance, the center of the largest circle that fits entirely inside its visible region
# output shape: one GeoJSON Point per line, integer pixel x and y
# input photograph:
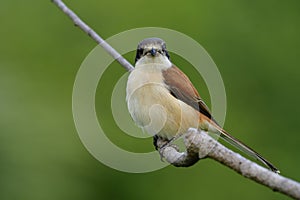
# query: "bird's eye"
{"type": "Point", "coordinates": [139, 54]}
{"type": "Point", "coordinates": [167, 54]}
{"type": "Point", "coordinates": [141, 51]}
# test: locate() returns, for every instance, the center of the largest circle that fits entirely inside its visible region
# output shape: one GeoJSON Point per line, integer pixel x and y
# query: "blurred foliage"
{"type": "Point", "coordinates": [255, 45]}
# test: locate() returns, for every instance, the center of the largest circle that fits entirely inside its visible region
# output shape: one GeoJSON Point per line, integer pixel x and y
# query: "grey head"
{"type": "Point", "coordinates": [151, 47]}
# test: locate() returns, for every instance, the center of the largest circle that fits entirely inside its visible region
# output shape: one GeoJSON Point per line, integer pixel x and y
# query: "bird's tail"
{"type": "Point", "coordinates": [244, 148]}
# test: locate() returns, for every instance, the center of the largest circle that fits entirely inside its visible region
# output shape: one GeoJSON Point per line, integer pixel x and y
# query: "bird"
{"type": "Point", "coordinates": [162, 100]}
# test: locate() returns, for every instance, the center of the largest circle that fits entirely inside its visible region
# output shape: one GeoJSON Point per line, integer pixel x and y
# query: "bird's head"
{"type": "Point", "coordinates": [151, 48]}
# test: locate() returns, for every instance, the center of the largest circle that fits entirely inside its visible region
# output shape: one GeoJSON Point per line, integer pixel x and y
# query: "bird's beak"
{"type": "Point", "coordinates": [153, 52]}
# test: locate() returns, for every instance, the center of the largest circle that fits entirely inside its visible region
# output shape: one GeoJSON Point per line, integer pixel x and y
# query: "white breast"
{"type": "Point", "coordinates": [151, 105]}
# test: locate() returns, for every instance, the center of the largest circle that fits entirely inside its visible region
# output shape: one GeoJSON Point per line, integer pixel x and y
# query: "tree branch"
{"type": "Point", "coordinates": [199, 144]}
{"type": "Point", "coordinates": [88, 30]}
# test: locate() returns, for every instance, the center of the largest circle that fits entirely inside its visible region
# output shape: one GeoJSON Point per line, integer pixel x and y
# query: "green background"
{"type": "Point", "coordinates": [255, 45]}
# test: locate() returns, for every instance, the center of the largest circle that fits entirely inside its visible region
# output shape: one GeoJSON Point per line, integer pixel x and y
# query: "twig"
{"type": "Point", "coordinates": [83, 26]}
{"type": "Point", "coordinates": [199, 144]}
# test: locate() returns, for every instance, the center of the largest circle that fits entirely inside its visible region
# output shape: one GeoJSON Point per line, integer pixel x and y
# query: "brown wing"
{"type": "Point", "coordinates": [182, 88]}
